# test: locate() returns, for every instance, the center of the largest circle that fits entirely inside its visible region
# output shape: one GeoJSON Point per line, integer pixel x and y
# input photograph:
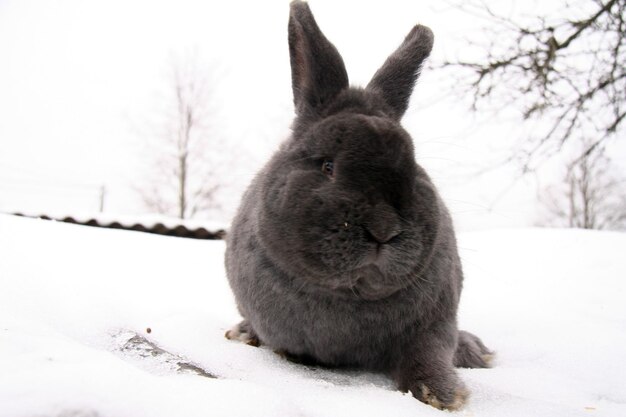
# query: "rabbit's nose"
{"type": "Point", "coordinates": [384, 224]}
{"type": "Point", "coordinates": [381, 236]}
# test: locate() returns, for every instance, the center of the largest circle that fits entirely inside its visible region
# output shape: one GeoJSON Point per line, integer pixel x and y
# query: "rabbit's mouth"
{"type": "Point", "coordinates": [376, 255]}
{"type": "Point", "coordinates": [371, 283]}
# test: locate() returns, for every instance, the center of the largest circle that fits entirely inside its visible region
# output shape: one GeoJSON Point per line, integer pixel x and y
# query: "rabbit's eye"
{"type": "Point", "coordinates": [328, 167]}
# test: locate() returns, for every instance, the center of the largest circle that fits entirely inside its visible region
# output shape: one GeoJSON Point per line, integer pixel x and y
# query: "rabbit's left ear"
{"type": "Point", "coordinates": [317, 70]}
{"type": "Point", "coordinates": [394, 81]}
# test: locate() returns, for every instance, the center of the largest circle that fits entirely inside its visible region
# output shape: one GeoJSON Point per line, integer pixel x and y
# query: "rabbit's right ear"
{"type": "Point", "coordinates": [317, 70]}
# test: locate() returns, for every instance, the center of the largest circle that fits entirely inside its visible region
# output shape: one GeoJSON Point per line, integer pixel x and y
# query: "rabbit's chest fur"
{"type": "Point", "coordinates": [334, 328]}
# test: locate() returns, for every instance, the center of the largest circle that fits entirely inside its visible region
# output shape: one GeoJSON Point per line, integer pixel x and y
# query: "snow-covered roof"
{"type": "Point", "coordinates": [157, 224]}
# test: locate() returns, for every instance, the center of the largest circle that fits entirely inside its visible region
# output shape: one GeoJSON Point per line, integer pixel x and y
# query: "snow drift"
{"type": "Point", "coordinates": [111, 323]}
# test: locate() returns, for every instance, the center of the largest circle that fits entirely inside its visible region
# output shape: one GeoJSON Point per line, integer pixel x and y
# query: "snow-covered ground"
{"type": "Point", "coordinates": [76, 304]}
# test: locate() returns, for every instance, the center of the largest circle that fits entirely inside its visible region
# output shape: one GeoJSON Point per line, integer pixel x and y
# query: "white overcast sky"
{"type": "Point", "coordinates": [78, 77]}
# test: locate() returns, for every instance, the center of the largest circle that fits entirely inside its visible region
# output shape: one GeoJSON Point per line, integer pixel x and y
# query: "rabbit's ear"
{"type": "Point", "coordinates": [396, 78]}
{"type": "Point", "coordinates": [317, 70]}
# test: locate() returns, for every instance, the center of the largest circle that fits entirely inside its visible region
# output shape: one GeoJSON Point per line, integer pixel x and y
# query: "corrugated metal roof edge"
{"type": "Point", "coordinates": [158, 228]}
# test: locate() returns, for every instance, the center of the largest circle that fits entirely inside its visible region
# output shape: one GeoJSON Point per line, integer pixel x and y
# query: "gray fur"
{"type": "Point", "coordinates": [355, 266]}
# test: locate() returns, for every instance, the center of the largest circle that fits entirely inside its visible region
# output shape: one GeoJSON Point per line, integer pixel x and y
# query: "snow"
{"type": "Point", "coordinates": [76, 304]}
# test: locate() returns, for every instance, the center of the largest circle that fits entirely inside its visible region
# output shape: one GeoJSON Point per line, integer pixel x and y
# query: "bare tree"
{"type": "Point", "coordinates": [590, 196]}
{"type": "Point", "coordinates": [567, 72]}
{"type": "Point", "coordinates": [184, 179]}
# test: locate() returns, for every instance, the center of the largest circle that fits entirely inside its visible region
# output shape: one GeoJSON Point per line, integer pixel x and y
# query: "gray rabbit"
{"type": "Point", "coordinates": [342, 252]}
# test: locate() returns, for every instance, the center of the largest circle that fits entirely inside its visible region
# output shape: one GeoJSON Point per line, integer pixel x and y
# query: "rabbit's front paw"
{"type": "Point", "coordinates": [444, 391]}
{"type": "Point", "coordinates": [448, 399]}
{"type": "Point", "coordinates": [243, 332]}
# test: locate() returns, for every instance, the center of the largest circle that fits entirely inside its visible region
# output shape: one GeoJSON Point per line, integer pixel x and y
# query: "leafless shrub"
{"type": "Point", "coordinates": [590, 196]}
